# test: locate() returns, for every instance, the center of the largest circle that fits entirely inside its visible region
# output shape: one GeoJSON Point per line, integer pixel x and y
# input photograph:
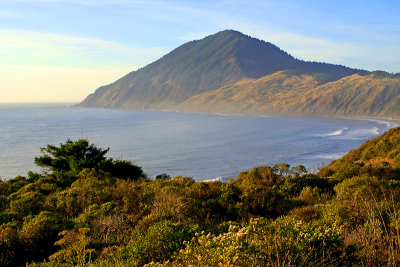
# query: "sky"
{"type": "Point", "coordinates": [63, 50]}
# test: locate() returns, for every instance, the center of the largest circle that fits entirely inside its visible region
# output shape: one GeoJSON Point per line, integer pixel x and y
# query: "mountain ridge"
{"type": "Point", "coordinates": [231, 63]}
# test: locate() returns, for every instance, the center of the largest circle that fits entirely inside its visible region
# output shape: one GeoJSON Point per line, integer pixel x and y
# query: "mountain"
{"type": "Point", "coordinates": [233, 73]}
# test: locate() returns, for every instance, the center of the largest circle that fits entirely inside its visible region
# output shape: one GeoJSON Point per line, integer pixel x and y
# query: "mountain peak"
{"type": "Point", "coordinates": [228, 32]}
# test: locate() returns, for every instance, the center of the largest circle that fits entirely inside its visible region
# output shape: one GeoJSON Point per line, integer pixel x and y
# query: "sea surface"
{"type": "Point", "coordinates": [202, 146]}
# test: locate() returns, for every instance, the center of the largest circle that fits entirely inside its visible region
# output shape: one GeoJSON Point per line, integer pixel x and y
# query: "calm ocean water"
{"type": "Point", "coordinates": [203, 146]}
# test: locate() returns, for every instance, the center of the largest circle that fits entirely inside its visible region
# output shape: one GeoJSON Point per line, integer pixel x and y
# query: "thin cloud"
{"type": "Point", "coordinates": [35, 48]}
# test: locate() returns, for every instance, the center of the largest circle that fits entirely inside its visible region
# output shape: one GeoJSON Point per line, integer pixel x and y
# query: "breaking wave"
{"type": "Point", "coordinates": [331, 156]}
{"type": "Point", "coordinates": [336, 133]}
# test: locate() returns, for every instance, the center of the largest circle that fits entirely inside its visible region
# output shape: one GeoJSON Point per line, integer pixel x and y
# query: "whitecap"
{"type": "Point", "coordinates": [335, 133]}
{"type": "Point", "coordinates": [328, 156]}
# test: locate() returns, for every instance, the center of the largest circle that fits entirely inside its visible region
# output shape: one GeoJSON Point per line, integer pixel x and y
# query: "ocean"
{"type": "Point", "coordinates": [198, 145]}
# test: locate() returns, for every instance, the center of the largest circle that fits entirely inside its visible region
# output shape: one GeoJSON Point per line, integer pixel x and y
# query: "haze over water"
{"type": "Point", "coordinates": [203, 146]}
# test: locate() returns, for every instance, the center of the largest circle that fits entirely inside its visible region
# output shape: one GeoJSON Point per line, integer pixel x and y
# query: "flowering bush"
{"type": "Point", "coordinates": [264, 242]}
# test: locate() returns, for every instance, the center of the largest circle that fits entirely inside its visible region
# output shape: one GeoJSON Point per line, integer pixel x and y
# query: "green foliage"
{"type": "Point", "coordinates": [263, 201]}
{"type": "Point", "coordinates": [259, 175]}
{"type": "Point", "coordinates": [26, 203]}
{"type": "Point", "coordinates": [70, 158]}
{"type": "Point", "coordinates": [268, 216]}
{"type": "Point", "coordinates": [377, 157]}
{"type": "Point", "coordinates": [158, 243]}
{"type": "Point", "coordinates": [308, 213]}
{"type": "Point", "coordinates": [3, 188]}
{"type": "Point", "coordinates": [13, 185]}
{"type": "Point", "coordinates": [122, 169]}
{"type": "Point", "coordinates": [5, 217]}
{"type": "Point", "coordinates": [133, 199]}
{"type": "Point", "coordinates": [297, 183]}
{"type": "Point", "coordinates": [265, 243]}
{"type": "Point", "coordinates": [73, 156]}
{"type": "Point", "coordinates": [354, 197]}
{"type": "Point", "coordinates": [9, 247]}
{"type": "Point", "coordinates": [163, 176]}
{"type": "Point", "coordinates": [202, 203]}
{"type": "Point", "coordinates": [230, 200]}
{"type": "Point", "coordinates": [3, 203]}
{"type": "Point", "coordinates": [38, 235]}
{"type": "Point", "coordinates": [91, 187]}
{"type": "Point", "coordinates": [33, 176]}
{"type": "Point", "coordinates": [93, 212]}
{"type": "Point", "coordinates": [74, 251]}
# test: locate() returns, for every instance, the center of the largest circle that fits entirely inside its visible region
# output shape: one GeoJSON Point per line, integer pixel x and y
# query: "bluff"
{"type": "Point", "coordinates": [231, 72]}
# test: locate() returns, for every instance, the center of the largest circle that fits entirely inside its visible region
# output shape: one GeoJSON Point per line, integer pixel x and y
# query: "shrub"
{"type": "Point", "coordinates": [24, 204]}
{"type": "Point", "coordinates": [355, 195]}
{"type": "Point", "coordinates": [266, 243]}
{"type": "Point", "coordinates": [74, 248]}
{"type": "Point", "coordinates": [158, 243]}
{"type": "Point", "coordinates": [13, 185]}
{"type": "Point", "coordinates": [38, 235]}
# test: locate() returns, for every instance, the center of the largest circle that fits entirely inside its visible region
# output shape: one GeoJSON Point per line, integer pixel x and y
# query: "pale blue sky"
{"type": "Point", "coordinates": [62, 50]}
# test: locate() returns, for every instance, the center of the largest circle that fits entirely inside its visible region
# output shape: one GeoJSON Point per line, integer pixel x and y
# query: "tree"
{"type": "Point", "coordinates": [67, 160]}
{"type": "Point", "coordinates": [72, 156]}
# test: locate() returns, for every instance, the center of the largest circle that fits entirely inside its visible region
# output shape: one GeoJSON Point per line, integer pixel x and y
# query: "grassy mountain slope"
{"type": "Point", "coordinates": [265, 95]}
{"type": "Point", "coordinates": [202, 66]}
{"type": "Point", "coordinates": [288, 93]}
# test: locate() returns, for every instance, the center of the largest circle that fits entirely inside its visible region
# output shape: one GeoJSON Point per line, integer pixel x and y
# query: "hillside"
{"type": "Point", "coordinates": [378, 157]}
{"type": "Point", "coordinates": [234, 73]}
{"type": "Point", "coordinates": [285, 93]}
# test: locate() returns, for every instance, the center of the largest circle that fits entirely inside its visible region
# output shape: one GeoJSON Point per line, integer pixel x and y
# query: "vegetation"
{"type": "Point", "coordinates": [379, 157]}
{"type": "Point", "coordinates": [89, 210]}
